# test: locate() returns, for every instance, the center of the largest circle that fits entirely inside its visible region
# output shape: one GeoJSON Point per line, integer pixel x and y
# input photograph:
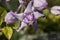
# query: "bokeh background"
{"type": "Point", "coordinates": [48, 26]}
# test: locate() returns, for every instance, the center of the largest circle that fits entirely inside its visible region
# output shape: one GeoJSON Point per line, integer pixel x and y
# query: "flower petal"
{"type": "Point", "coordinates": [28, 18]}
{"type": "Point", "coordinates": [9, 18]}
{"type": "Point", "coordinates": [18, 16]}
{"type": "Point", "coordinates": [40, 4]}
{"type": "Point", "coordinates": [55, 10]}
{"type": "Point", "coordinates": [22, 26]}
{"type": "Point", "coordinates": [37, 15]}
{"type": "Point", "coordinates": [29, 7]}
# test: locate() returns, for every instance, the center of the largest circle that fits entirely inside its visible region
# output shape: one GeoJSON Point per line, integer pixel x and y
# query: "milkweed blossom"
{"type": "Point", "coordinates": [55, 10]}
{"type": "Point", "coordinates": [40, 4]}
{"type": "Point", "coordinates": [9, 18]}
{"type": "Point", "coordinates": [28, 16]}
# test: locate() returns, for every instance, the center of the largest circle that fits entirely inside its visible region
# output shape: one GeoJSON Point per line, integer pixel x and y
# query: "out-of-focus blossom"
{"type": "Point", "coordinates": [28, 8]}
{"type": "Point", "coordinates": [40, 4]}
{"type": "Point", "coordinates": [9, 18]}
{"type": "Point", "coordinates": [18, 16]}
{"type": "Point", "coordinates": [7, 0]}
{"type": "Point", "coordinates": [21, 1]}
{"type": "Point", "coordinates": [37, 15]}
{"type": "Point", "coordinates": [27, 17]}
{"type": "Point", "coordinates": [55, 10]}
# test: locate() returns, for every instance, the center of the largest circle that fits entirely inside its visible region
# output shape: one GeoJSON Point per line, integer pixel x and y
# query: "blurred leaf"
{"type": "Point", "coordinates": [43, 20]}
{"type": "Point", "coordinates": [1, 10]}
{"type": "Point", "coordinates": [46, 12]}
{"type": "Point", "coordinates": [2, 14]}
{"type": "Point", "coordinates": [16, 24]}
{"type": "Point", "coordinates": [0, 33]}
{"type": "Point", "coordinates": [53, 2]}
{"type": "Point", "coordinates": [12, 5]}
{"type": "Point", "coordinates": [7, 32]}
{"type": "Point", "coordinates": [16, 35]}
{"type": "Point", "coordinates": [54, 18]}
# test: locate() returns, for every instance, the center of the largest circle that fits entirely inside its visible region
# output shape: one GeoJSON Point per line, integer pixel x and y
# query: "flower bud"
{"type": "Point", "coordinates": [9, 18]}
{"type": "Point", "coordinates": [40, 4]}
{"type": "Point", "coordinates": [55, 10]}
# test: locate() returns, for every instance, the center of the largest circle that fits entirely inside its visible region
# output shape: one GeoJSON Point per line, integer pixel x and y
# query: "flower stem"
{"type": "Point", "coordinates": [18, 8]}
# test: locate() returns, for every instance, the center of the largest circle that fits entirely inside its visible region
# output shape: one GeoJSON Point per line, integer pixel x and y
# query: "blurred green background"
{"type": "Point", "coordinates": [48, 24]}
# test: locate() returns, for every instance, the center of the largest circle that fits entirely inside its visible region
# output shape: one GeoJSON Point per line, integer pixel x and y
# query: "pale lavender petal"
{"type": "Point", "coordinates": [37, 15]}
{"type": "Point", "coordinates": [21, 27]}
{"type": "Point", "coordinates": [28, 18]}
{"type": "Point", "coordinates": [9, 18]}
{"type": "Point", "coordinates": [55, 7]}
{"type": "Point", "coordinates": [18, 16]}
{"type": "Point", "coordinates": [29, 8]}
{"type": "Point", "coordinates": [55, 10]}
{"type": "Point", "coordinates": [40, 4]}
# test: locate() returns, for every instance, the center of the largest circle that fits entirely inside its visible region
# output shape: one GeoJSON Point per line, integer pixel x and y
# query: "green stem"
{"type": "Point", "coordinates": [18, 8]}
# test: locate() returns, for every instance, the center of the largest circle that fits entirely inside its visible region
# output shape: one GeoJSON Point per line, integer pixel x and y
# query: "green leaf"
{"type": "Point", "coordinates": [16, 24]}
{"type": "Point", "coordinates": [53, 2]}
{"type": "Point", "coordinates": [2, 14]}
{"type": "Point", "coordinates": [0, 33]}
{"type": "Point", "coordinates": [46, 12]}
{"type": "Point", "coordinates": [14, 4]}
{"type": "Point", "coordinates": [7, 32]}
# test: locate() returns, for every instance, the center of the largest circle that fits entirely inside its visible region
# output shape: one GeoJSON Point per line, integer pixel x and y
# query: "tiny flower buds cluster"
{"type": "Point", "coordinates": [55, 10]}
{"type": "Point", "coordinates": [9, 18]}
